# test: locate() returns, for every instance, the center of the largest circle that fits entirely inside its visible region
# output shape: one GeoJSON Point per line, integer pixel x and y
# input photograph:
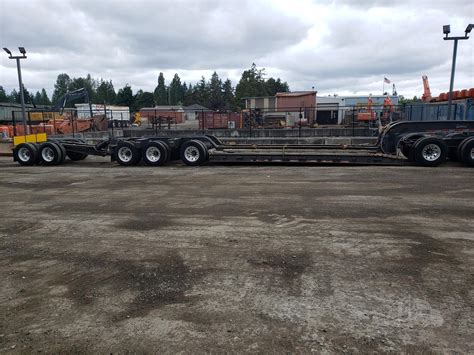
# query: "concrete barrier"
{"type": "Point", "coordinates": [6, 149]}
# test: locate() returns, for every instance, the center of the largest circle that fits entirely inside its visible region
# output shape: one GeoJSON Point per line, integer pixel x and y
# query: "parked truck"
{"type": "Point", "coordinates": [426, 143]}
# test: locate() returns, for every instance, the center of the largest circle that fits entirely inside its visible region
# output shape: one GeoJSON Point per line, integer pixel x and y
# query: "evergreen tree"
{"type": "Point", "coordinates": [143, 99]}
{"type": "Point", "coordinates": [216, 98]}
{"type": "Point", "coordinates": [60, 88]}
{"type": "Point", "coordinates": [3, 95]}
{"type": "Point", "coordinates": [189, 96]}
{"type": "Point", "coordinates": [125, 97]}
{"type": "Point", "coordinates": [14, 97]}
{"type": "Point", "coordinates": [252, 83]}
{"type": "Point", "coordinates": [176, 94]}
{"type": "Point", "coordinates": [44, 98]}
{"type": "Point", "coordinates": [105, 93]}
{"type": "Point", "coordinates": [160, 93]}
{"type": "Point", "coordinates": [275, 86]}
{"type": "Point", "coordinates": [229, 98]}
{"type": "Point", "coordinates": [37, 98]}
{"type": "Point", "coordinates": [201, 92]}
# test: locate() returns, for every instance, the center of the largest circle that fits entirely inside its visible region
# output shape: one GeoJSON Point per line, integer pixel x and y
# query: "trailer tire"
{"type": "Point", "coordinates": [193, 153]}
{"type": "Point", "coordinates": [430, 151]}
{"type": "Point", "coordinates": [26, 154]}
{"type": "Point", "coordinates": [63, 153]}
{"type": "Point", "coordinates": [50, 153]}
{"type": "Point", "coordinates": [206, 150]}
{"type": "Point", "coordinates": [127, 154]}
{"type": "Point", "coordinates": [75, 156]}
{"type": "Point", "coordinates": [467, 152]}
{"type": "Point", "coordinates": [155, 153]}
{"type": "Point", "coordinates": [460, 149]}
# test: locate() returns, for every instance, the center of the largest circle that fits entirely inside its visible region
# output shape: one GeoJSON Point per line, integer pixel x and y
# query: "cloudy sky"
{"type": "Point", "coordinates": [339, 46]}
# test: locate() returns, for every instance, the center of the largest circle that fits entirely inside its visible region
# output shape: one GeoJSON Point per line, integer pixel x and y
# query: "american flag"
{"type": "Point", "coordinates": [385, 79]}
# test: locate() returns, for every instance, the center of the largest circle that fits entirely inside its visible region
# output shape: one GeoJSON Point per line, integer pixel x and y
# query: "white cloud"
{"type": "Point", "coordinates": [339, 47]}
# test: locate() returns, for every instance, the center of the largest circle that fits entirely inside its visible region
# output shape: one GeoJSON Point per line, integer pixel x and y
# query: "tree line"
{"type": "Point", "coordinates": [215, 93]}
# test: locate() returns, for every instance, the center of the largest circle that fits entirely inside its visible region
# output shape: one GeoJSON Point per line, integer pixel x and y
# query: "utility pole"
{"type": "Point", "coordinates": [446, 31]}
{"type": "Point", "coordinates": [20, 82]}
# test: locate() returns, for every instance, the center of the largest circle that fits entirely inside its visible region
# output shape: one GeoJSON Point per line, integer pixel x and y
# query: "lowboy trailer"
{"type": "Point", "coordinates": [425, 143]}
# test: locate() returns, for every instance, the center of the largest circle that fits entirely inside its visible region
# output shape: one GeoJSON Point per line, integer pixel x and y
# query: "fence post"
{"type": "Point", "coordinates": [14, 123]}
{"type": "Point", "coordinates": [299, 130]}
{"type": "Point", "coordinates": [353, 121]}
{"type": "Point", "coordinates": [72, 124]}
{"type": "Point", "coordinates": [202, 117]}
{"type": "Point", "coordinates": [250, 123]}
{"type": "Point", "coordinates": [29, 122]}
{"type": "Point", "coordinates": [42, 119]}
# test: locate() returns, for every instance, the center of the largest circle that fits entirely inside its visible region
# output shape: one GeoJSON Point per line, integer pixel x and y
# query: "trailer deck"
{"type": "Point", "coordinates": [312, 155]}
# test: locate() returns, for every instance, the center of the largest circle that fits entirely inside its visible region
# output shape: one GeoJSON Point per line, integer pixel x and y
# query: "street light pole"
{"type": "Point", "coordinates": [20, 82]}
{"type": "Point", "coordinates": [446, 31]}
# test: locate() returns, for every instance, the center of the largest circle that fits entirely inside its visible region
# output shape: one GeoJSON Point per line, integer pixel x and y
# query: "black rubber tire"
{"type": "Point", "coordinates": [75, 156]}
{"type": "Point", "coordinates": [55, 156]}
{"type": "Point", "coordinates": [419, 147]}
{"type": "Point", "coordinates": [26, 154]}
{"type": "Point", "coordinates": [460, 148]}
{"type": "Point", "coordinates": [193, 153]}
{"type": "Point", "coordinates": [130, 151]}
{"type": "Point", "coordinates": [162, 148]}
{"type": "Point", "coordinates": [63, 153]}
{"type": "Point", "coordinates": [467, 152]}
{"type": "Point", "coordinates": [205, 149]}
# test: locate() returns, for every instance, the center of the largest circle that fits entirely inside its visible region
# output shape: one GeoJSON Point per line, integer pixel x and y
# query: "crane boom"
{"type": "Point", "coordinates": [426, 89]}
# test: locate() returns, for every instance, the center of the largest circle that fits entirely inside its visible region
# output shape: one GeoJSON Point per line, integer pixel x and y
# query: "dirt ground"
{"type": "Point", "coordinates": [99, 258]}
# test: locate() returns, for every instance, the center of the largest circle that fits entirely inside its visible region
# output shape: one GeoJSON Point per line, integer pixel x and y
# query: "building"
{"type": "Point", "coordinates": [284, 106]}
{"type": "Point", "coordinates": [192, 112]}
{"type": "Point", "coordinates": [336, 109]}
{"type": "Point", "coordinates": [114, 113]}
{"type": "Point", "coordinates": [165, 113]}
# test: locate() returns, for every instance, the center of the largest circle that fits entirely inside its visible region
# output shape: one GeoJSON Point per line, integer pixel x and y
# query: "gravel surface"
{"type": "Point", "coordinates": [99, 258]}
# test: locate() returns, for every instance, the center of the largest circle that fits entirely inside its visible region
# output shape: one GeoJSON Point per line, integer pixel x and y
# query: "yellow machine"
{"type": "Point", "coordinates": [137, 118]}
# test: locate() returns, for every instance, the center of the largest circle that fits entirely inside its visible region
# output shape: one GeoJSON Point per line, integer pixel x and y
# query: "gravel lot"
{"type": "Point", "coordinates": [95, 257]}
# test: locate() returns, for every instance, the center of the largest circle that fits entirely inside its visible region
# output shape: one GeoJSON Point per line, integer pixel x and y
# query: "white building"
{"type": "Point", "coordinates": [115, 113]}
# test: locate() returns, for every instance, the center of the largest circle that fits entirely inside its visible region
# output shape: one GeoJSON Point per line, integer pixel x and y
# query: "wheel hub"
{"type": "Point", "coordinates": [191, 153]}
{"type": "Point", "coordinates": [125, 154]}
{"type": "Point", "coordinates": [153, 154]}
{"type": "Point", "coordinates": [472, 153]}
{"type": "Point", "coordinates": [47, 154]}
{"type": "Point", "coordinates": [431, 152]}
{"type": "Point", "coordinates": [24, 154]}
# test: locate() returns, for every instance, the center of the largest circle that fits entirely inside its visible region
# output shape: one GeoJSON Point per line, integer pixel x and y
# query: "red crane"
{"type": "Point", "coordinates": [426, 90]}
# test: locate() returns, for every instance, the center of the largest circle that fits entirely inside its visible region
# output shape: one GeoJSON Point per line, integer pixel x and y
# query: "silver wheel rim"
{"type": "Point", "coordinates": [47, 154]}
{"type": "Point", "coordinates": [24, 154]}
{"type": "Point", "coordinates": [191, 153]}
{"type": "Point", "coordinates": [431, 152]}
{"type": "Point", "coordinates": [153, 154]}
{"type": "Point", "coordinates": [125, 154]}
{"type": "Point", "coordinates": [472, 153]}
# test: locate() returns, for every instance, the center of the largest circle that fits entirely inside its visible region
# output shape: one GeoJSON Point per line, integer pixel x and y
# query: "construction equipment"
{"type": "Point", "coordinates": [426, 97]}
{"type": "Point", "coordinates": [368, 114]}
{"type": "Point", "coordinates": [64, 125]}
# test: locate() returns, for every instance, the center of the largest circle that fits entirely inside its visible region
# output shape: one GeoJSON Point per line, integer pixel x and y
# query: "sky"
{"type": "Point", "coordinates": [338, 47]}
